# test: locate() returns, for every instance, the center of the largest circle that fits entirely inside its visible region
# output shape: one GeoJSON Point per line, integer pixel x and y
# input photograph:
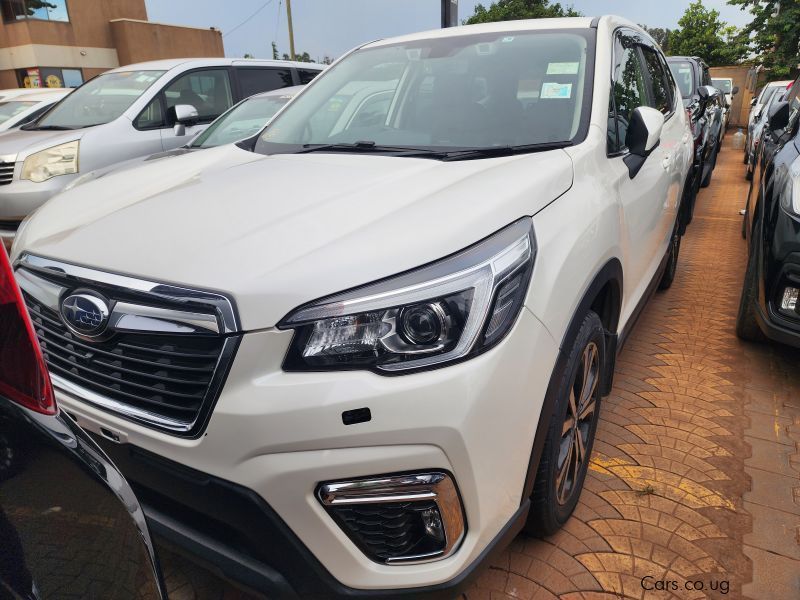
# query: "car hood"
{"type": "Point", "coordinates": [21, 143]}
{"type": "Point", "coordinates": [278, 231]}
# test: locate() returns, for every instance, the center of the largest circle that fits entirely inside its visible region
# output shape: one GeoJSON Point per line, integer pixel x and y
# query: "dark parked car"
{"type": "Point", "coordinates": [769, 303]}
{"type": "Point", "coordinates": [70, 526]}
{"type": "Point", "coordinates": [704, 107]}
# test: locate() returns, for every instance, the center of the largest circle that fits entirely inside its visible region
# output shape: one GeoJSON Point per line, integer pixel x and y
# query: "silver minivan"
{"type": "Point", "coordinates": [130, 111]}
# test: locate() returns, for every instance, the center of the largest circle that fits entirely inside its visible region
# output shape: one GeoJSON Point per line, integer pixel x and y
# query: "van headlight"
{"type": "Point", "coordinates": [55, 161]}
{"type": "Point", "coordinates": [446, 311]}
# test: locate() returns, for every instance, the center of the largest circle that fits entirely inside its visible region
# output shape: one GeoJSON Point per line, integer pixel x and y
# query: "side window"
{"type": "Point", "coordinates": [306, 75]}
{"type": "Point", "coordinates": [794, 106]}
{"type": "Point", "coordinates": [253, 80]}
{"type": "Point", "coordinates": [628, 91]}
{"type": "Point", "coordinates": [152, 115]}
{"type": "Point", "coordinates": [659, 81]}
{"type": "Point", "coordinates": [209, 91]}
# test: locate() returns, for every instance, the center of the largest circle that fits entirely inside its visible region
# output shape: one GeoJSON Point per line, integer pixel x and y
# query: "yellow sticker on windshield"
{"type": "Point", "coordinates": [562, 68]}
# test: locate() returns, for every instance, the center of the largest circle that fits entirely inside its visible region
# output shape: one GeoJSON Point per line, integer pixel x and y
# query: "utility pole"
{"type": "Point", "coordinates": [291, 29]}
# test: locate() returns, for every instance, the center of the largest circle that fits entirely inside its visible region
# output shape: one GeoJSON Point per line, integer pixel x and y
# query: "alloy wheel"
{"type": "Point", "coordinates": [577, 425]}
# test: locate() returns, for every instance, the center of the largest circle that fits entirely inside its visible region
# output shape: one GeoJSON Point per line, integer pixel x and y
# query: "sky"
{"type": "Point", "coordinates": [331, 27]}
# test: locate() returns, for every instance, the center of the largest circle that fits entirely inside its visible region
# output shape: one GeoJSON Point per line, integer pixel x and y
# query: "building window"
{"type": "Point", "coordinates": [44, 10]}
{"type": "Point", "coordinates": [49, 77]}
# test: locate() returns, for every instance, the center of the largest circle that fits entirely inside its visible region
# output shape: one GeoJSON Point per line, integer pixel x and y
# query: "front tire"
{"type": "Point", "coordinates": [746, 323]}
{"type": "Point", "coordinates": [713, 163]}
{"type": "Point", "coordinates": [568, 447]}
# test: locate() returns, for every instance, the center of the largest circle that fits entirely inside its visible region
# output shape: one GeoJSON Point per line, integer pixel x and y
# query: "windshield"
{"type": "Point", "coordinates": [723, 84]}
{"type": "Point", "coordinates": [13, 108]}
{"type": "Point", "coordinates": [100, 100]}
{"type": "Point", "coordinates": [465, 92]}
{"type": "Point", "coordinates": [682, 72]}
{"type": "Point", "coordinates": [242, 121]}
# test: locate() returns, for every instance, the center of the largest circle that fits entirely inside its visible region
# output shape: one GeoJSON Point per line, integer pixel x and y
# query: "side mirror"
{"type": "Point", "coordinates": [642, 137]}
{"type": "Point", "coordinates": [735, 90]}
{"type": "Point", "coordinates": [778, 115]}
{"type": "Point", "coordinates": [753, 102]}
{"type": "Point", "coordinates": [182, 115]}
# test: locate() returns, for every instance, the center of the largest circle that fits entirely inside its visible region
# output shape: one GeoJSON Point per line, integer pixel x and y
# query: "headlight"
{"type": "Point", "coordinates": [790, 198]}
{"type": "Point", "coordinates": [449, 310]}
{"type": "Point", "coordinates": [55, 161]}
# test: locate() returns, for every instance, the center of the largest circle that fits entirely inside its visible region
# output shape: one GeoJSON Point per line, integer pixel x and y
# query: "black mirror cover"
{"type": "Point", "coordinates": [779, 115]}
{"type": "Point", "coordinates": [636, 136]}
{"type": "Point", "coordinates": [703, 92]}
{"type": "Point", "coordinates": [735, 90]}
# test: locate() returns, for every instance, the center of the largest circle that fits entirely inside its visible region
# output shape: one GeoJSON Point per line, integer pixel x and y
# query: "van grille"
{"type": "Point", "coordinates": [6, 172]}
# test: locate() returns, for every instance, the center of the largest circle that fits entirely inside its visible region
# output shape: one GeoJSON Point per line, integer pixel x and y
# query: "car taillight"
{"type": "Point", "coordinates": [23, 374]}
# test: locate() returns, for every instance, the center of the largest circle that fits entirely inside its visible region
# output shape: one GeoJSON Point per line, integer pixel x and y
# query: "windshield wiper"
{"type": "Point", "coordinates": [492, 151]}
{"type": "Point", "coordinates": [370, 146]}
{"type": "Point", "coordinates": [33, 127]}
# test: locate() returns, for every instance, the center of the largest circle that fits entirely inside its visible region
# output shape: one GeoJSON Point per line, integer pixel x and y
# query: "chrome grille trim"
{"type": "Point", "coordinates": [229, 322]}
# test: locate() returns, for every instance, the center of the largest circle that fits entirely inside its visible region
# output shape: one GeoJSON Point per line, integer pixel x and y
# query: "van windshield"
{"type": "Point", "coordinates": [12, 108]}
{"type": "Point", "coordinates": [481, 91]}
{"type": "Point", "coordinates": [98, 101]}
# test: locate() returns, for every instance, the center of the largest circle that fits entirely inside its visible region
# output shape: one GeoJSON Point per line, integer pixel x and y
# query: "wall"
{"type": "Point", "coordinates": [87, 26]}
{"type": "Point", "coordinates": [138, 41]}
{"type": "Point", "coordinates": [740, 107]}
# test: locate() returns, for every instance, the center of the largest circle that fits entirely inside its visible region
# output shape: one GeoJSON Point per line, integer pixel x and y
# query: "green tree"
{"type": "Point", "coordinates": [304, 57]}
{"type": "Point", "coordinates": [31, 6]}
{"type": "Point", "coordinates": [510, 10]}
{"type": "Point", "coordinates": [275, 55]}
{"type": "Point", "coordinates": [775, 32]}
{"type": "Point", "coordinates": [660, 35]}
{"type": "Point", "coordinates": [703, 34]}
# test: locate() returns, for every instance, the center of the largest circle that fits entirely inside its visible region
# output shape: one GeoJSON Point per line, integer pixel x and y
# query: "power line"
{"type": "Point", "coordinates": [263, 6]}
{"type": "Point", "coordinates": [277, 22]}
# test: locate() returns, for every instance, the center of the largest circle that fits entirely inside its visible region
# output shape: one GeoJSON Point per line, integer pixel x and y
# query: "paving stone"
{"type": "Point", "coordinates": [769, 456]}
{"type": "Point", "coordinates": [774, 576]}
{"type": "Point", "coordinates": [773, 490]}
{"type": "Point", "coordinates": [774, 530]}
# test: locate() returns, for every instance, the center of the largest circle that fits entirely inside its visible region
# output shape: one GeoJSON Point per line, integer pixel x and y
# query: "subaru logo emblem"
{"type": "Point", "coordinates": [84, 314]}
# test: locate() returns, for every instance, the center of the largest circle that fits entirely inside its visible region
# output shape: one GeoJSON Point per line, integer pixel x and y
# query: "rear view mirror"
{"type": "Point", "coordinates": [778, 115]}
{"type": "Point", "coordinates": [643, 135]}
{"type": "Point", "coordinates": [735, 90]}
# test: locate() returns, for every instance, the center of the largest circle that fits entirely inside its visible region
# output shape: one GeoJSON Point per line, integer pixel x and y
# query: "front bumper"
{"type": "Point", "coordinates": [20, 198]}
{"type": "Point", "coordinates": [274, 436]}
{"type": "Point", "coordinates": [780, 269]}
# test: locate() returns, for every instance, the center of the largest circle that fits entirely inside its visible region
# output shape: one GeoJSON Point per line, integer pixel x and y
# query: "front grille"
{"type": "Point", "coordinates": [388, 530]}
{"type": "Point", "coordinates": [168, 375]}
{"type": "Point", "coordinates": [6, 172]}
{"type": "Point", "coordinates": [160, 361]}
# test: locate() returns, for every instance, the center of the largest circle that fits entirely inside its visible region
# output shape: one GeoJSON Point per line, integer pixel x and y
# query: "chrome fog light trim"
{"type": "Point", "coordinates": [435, 490]}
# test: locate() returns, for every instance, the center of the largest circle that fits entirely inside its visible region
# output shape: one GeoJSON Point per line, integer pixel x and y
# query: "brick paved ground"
{"type": "Point", "coordinates": [695, 475]}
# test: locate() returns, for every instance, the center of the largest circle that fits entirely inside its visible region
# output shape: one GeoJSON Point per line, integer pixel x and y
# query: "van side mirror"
{"type": "Point", "coordinates": [753, 102]}
{"type": "Point", "coordinates": [182, 115]}
{"type": "Point", "coordinates": [642, 137]}
{"type": "Point", "coordinates": [735, 90]}
{"type": "Point", "coordinates": [778, 115]}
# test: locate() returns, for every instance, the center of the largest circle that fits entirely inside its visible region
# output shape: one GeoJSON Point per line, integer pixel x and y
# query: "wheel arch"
{"type": "Point", "coordinates": [603, 295]}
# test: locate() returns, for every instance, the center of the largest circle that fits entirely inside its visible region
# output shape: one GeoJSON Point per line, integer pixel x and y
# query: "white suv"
{"type": "Point", "coordinates": [350, 356]}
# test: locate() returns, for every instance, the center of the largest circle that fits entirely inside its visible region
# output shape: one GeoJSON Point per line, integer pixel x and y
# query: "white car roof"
{"type": "Point", "coordinates": [780, 83]}
{"type": "Point", "coordinates": [501, 26]}
{"type": "Point", "coordinates": [191, 63]}
{"type": "Point", "coordinates": [14, 92]}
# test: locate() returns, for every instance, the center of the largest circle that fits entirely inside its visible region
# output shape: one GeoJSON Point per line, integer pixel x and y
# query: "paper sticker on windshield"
{"type": "Point", "coordinates": [565, 68]}
{"type": "Point", "coordinates": [556, 90]}
{"type": "Point", "coordinates": [508, 38]}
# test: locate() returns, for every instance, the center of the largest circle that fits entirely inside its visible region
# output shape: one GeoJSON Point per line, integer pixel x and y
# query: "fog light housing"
{"type": "Point", "coordinates": [416, 517]}
{"type": "Point", "coordinates": [789, 300]}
